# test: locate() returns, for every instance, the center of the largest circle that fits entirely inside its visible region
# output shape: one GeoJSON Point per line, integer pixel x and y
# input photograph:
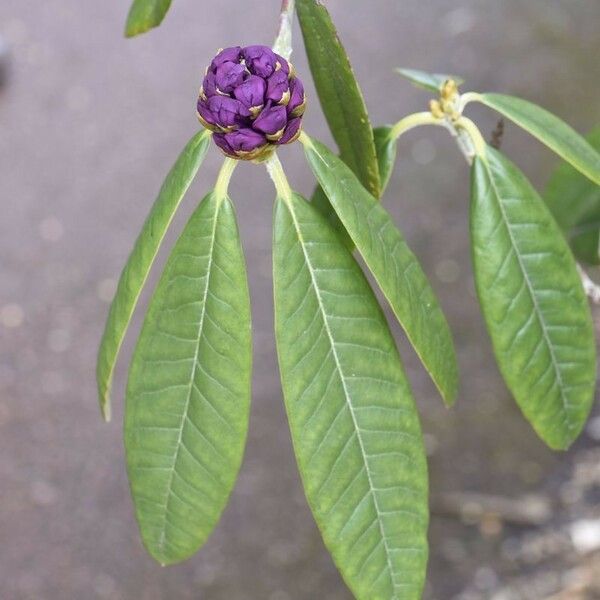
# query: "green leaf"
{"type": "Point", "coordinates": [532, 300]}
{"type": "Point", "coordinates": [339, 93]}
{"type": "Point", "coordinates": [432, 82]}
{"type": "Point", "coordinates": [140, 261]}
{"type": "Point", "coordinates": [144, 15]}
{"type": "Point", "coordinates": [188, 394]}
{"type": "Point", "coordinates": [575, 203]}
{"type": "Point", "coordinates": [394, 266]}
{"type": "Point", "coordinates": [385, 146]}
{"type": "Point", "coordinates": [548, 129]}
{"type": "Point", "coordinates": [353, 420]}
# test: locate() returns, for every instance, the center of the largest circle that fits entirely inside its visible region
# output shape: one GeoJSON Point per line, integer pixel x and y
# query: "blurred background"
{"type": "Point", "coordinates": [89, 125]}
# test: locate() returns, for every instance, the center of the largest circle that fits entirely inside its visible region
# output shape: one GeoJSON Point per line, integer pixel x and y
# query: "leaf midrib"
{"type": "Point", "coordinates": [346, 394]}
{"type": "Point", "coordinates": [170, 494]}
{"type": "Point", "coordinates": [565, 402]}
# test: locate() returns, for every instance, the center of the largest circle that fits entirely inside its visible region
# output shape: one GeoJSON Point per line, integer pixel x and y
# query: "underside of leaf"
{"type": "Point", "coordinates": [533, 302]}
{"type": "Point", "coordinates": [188, 393]}
{"type": "Point", "coordinates": [354, 425]}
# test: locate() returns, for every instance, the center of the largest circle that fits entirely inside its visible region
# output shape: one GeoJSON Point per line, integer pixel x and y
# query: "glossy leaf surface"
{"type": "Point", "coordinates": [354, 425]}
{"type": "Point", "coordinates": [340, 96]}
{"type": "Point", "coordinates": [550, 130]}
{"type": "Point", "coordinates": [188, 394]}
{"type": "Point", "coordinates": [144, 15]}
{"type": "Point", "coordinates": [574, 201]}
{"type": "Point", "coordinates": [532, 300]}
{"type": "Point", "coordinates": [394, 266]}
{"type": "Point", "coordinates": [432, 82]}
{"type": "Point", "coordinates": [140, 261]}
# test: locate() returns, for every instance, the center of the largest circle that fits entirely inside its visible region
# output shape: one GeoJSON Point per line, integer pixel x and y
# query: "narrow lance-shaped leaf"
{"type": "Point", "coordinates": [353, 420]}
{"type": "Point", "coordinates": [574, 201]}
{"type": "Point", "coordinates": [385, 146]}
{"type": "Point", "coordinates": [339, 93]}
{"type": "Point", "coordinates": [532, 300]}
{"type": "Point", "coordinates": [188, 394]}
{"type": "Point", "coordinates": [394, 266]}
{"type": "Point", "coordinates": [548, 129]}
{"type": "Point", "coordinates": [140, 261]}
{"type": "Point", "coordinates": [144, 15]}
{"type": "Point", "coordinates": [431, 82]}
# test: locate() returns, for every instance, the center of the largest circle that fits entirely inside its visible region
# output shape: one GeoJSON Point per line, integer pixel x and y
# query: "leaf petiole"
{"type": "Point", "coordinates": [224, 177]}
{"type": "Point", "coordinates": [277, 174]}
{"type": "Point", "coordinates": [412, 121]}
{"type": "Point", "coordinates": [479, 144]}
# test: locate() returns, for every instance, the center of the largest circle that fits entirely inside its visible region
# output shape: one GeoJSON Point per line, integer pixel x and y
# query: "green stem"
{"type": "Point", "coordinates": [283, 42]}
{"type": "Point", "coordinates": [277, 174]}
{"type": "Point", "coordinates": [474, 133]}
{"type": "Point", "coordinates": [412, 121]}
{"type": "Point", "coordinates": [224, 177]}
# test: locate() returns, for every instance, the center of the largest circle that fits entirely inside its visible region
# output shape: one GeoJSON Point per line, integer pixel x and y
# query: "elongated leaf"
{"type": "Point", "coordinates": [140, 261]}
{"type": "Point", "coordinates": [574, 201]}
{"type": "Point", "coordinates": [339, 93]}
{"type": "Point", "coordinates": [144, 15]}
{"type": "Point", "coordinates": [188, 394]}
{"type": "Point", "coordinates": [354, 424]}
{"type": "Point", "coordinates": [385, 146]}
{"type": "Point", "coordinates": [432, 82]}
{"type": "Point", "coordinates": [548, 129]}
{"type": "Point", "coordinates": [532, 301]}
{"type": "Point", "coordinates": [394, 266]}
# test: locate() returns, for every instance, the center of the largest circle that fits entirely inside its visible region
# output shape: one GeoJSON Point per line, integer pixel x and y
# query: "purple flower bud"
{"type": "Point", "coordinates": [245, 140]}
{"type": "Point", "coordinates": [252, 102]}
{"type": "Point", "coordinates": [292, 131]}
{"type": "Point", "coordinates": [228, 76]}
{"type": "Point", "coordinates": [297, 102]}
{"type": "Point", "coordinates": [260, 60]}
{"type": "Point", "coordinates": [228, 55]}
{"type": "Point", "coordinates": [278, 87]}
{"type": "Point", "coordinates": [251, 93]}
{"type": "Point", "coordinates": [209, 85]}
{"type": "Point", "coordinates": [227, 112]}
{"type": "Point", "coordinates": [284, 65]}
{"type": "Point", "coordinates": [271, 121]}
{"type": "Point", "coordinates": [221, 141]}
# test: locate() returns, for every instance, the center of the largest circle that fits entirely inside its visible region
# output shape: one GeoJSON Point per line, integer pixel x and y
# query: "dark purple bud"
{"type": "Point", "coordinates": [260, 60]}
{"type": "Point", "coordinates": [282, 64]}
{"type": "Point", "coordinates": [233, 55]}
{"type": "Point", "coordinates": [278, 87]}
{"type": "Point", "coordinates": [297, 101]}
{"type": "Point", "coordinates": [206, 116]}
{"type": "Point", "coordinates": [251, 93]}
{"type": "Point", "coordinates": [271, 121]}
{"type": "Point", "coordinates": [292, 131]}
{"type": "Point", "coordinates": [209, 86]}
{"type": "Point", "coordinates": [226, 112]}
{"type": "Point", "coordinates": [245, 140]}
{"type": "Point", "coordinates": [221, 141]}
{"type": "Point", "coordinates": [228, 76]}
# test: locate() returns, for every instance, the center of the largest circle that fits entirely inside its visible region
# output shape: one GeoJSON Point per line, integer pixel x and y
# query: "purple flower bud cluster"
{"type": "Point", "coordinates": [252, 101]}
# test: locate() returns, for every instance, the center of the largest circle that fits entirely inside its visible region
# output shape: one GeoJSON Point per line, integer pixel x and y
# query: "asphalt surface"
{"type": "Point", "coordinates": [89, 125]}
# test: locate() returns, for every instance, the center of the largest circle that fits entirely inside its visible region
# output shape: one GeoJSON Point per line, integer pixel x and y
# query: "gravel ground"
{"type": "Point", "coordinates": [89, 125]}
